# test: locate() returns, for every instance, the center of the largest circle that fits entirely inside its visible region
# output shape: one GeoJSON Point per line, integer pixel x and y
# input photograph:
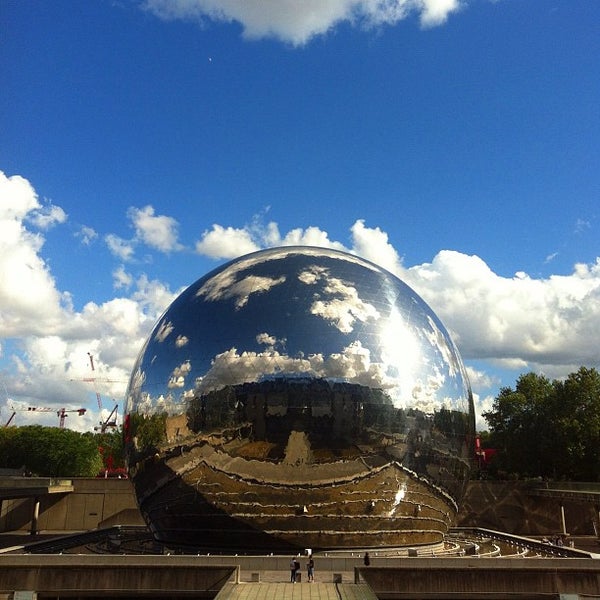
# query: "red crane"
{"type": "Point", "coordinates": [62, 414]}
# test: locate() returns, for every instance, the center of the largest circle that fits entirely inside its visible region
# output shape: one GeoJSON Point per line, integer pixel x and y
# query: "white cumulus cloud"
{"type": "Point", "coordinates": [122, 249]}
{"type": "Point", "coordinates": [29, 299]}
{"type": "Point", "coordinates": [297, 21]}
{"type": "Point", "coordinates": [44, 340]}
{"type": "Point", "coordinates": [47, 216]}
{"type": "Point", "coordinates": [157, 231]}
{"type": "Point", "coordinates": [226, 242]}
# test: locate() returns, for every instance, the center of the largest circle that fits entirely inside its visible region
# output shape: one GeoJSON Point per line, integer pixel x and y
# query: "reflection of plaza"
{"type": "Point", "coordinates": [306, 463]}
{"type": "Point", "coordinates": [304, 421]}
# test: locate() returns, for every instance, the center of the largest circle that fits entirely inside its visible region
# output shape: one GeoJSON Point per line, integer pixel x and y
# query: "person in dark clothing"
{"type": "Point", "coordinates": [310, 569]}
{"type": "Point", "coordinates": [296, 569]}
{"type": "Point", "coordinates": [367, 559]}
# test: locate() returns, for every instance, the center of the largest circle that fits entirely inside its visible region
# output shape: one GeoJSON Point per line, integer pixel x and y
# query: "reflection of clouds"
{"type": "Point", "coordinates": [311, 275]}
{"type": "Point", "coordinates": [230, 368]}
{"type": "Point", "coordinates": [138, 378]}
{"type": "Point", "coordinates": [181, 341]}
{"type": "Point", "coordinates": [168, 404]}
{"type": "Point", "coordinates": [163, 404]}
{"type": "Point", "coordinates": [177, 378]}
{"type": "Point", "coordinates": [224, 286]}
{"type": "Point", "coordinates": [343, 306]}
{"type": "Point", "coordinates": [438, 340]}
{"type": "Point", "coordinates": [419, 389]}
{"type": "Point", "coordinates": [352, 364]}
{"type": "Point", "coordinates": [398, 347]}
{"type": "Point", "coordinates": [286, 251]}
{"type": "Point", "coordinates": [270, 341]}
{"type": "Point", "coordinates": [401, 351]}
{"type": "Point", "coordinates": [265, 338]}
{"type": "Point", "coordinates": [145, 404]}
{"type": "Point", "coordinates": [425, 391]}
{"type": "Point", "coordinates": [163, 331]}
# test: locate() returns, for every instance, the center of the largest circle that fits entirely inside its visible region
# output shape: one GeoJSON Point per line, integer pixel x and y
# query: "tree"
{"type": "Point", "coordinates": [518, 425]}
{"type": "Point", "coordinates": [578, 424]}
{"type": "Point", "coordinates": [111, 447]}
{"type": "Point", "coordinates": [50, 451]}
{"type": "Point", "coordinates": [549, 428]}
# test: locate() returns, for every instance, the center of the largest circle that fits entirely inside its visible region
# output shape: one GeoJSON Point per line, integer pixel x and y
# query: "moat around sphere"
{"type": "Point", "coordinates": [299, 398]}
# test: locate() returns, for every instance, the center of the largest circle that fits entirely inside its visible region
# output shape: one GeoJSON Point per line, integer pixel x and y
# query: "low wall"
{"type": "Point", "coordinates": [511, 507]}
{"type": "Point", "coordinates": [491, 579]}
{"type": "Point", "coordinates": [111, 576]}
{"type": "Point", "coordinates": [202, 577]}
{"type": "Point", "coordinates": [94, 502]}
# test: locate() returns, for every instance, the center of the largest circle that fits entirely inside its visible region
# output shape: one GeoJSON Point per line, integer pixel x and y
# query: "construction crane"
{"type": "Point", "coordinates": [61, 413]}
{"type": "Point", "coordinates": [95, 380]}
{"type": "Point", "coordinates": [12, 416]}
{"type": "Point", "coordinates": [111, 421]}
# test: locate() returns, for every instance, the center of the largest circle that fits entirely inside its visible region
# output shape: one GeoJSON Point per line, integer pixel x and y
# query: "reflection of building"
{"type": "Point", "coordinates": [299, 397]}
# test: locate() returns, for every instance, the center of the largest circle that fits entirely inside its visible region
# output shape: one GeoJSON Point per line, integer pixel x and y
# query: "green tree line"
{"type": "Point", "coordinates": [545, 428]}
{"type": "Point", "coordinates": [56, 452]}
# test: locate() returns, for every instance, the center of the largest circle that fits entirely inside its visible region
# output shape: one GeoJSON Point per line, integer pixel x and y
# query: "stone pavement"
{"type": "Point", "coordinates": [296, 591]}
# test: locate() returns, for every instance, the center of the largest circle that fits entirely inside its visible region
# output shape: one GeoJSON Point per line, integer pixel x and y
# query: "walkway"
{"type": "Point", "coordinates": [296, 591]}
{"type": "Point", "coordinates": [568, 490]}
{"type": "Point", "coordinates": [31, 487]}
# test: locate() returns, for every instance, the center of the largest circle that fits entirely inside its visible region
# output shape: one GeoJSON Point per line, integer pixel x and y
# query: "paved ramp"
{"type": "Point", "coordinates": [296, 591]}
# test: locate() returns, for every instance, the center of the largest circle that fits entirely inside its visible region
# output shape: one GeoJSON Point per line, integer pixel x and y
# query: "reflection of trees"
{"type": "Point", "coordinates": [216, 410]}
{"type": "Point", "coordinates": [327, 411]}
{"type": "Point", "coordinates": [339, 420]}
{"type": "Point", "coordinates": [453, 423]}
{"type": "Point", "coordinates": [454, 433]}
{"type": "Point", "coordinates": [148, 431]}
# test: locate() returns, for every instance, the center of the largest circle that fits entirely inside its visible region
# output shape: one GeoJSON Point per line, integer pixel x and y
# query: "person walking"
{"type": "Point", "coordinates": [367, 559]}
{"type": "Point", "coordinates": [293, 570]}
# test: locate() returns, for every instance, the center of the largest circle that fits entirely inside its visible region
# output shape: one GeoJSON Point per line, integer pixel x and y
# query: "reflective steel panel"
{"type": "Point", "coordinates": [299, 398]}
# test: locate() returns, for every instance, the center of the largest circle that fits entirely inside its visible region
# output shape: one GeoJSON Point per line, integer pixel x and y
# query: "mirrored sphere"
{"type": "Point", "coordinates": [299, 398]}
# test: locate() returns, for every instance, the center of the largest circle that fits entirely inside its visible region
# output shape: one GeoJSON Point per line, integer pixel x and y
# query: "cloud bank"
{"type": "Point", "coordinates": [517, 323]}
{"type": "Point", "coordinates": [43, 341]}
{"type": "Point", "coordinates": [298, 21]}
{"type": "Point", "coordinates": [547, 323]}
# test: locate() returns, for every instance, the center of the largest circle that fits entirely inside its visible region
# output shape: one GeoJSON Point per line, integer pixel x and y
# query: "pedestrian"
{"type": "Point", "coordinates": [296, 569]}
{"type": "Point", "coordinates": [310, 569]}
{"type": "Point", "coordinates": [293, 570]}
{"type": "Point", "coordinates": [367, 559]}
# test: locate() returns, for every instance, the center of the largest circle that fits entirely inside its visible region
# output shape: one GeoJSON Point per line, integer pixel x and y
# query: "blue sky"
{"type": "Point", "coordinates": [144, 143]}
